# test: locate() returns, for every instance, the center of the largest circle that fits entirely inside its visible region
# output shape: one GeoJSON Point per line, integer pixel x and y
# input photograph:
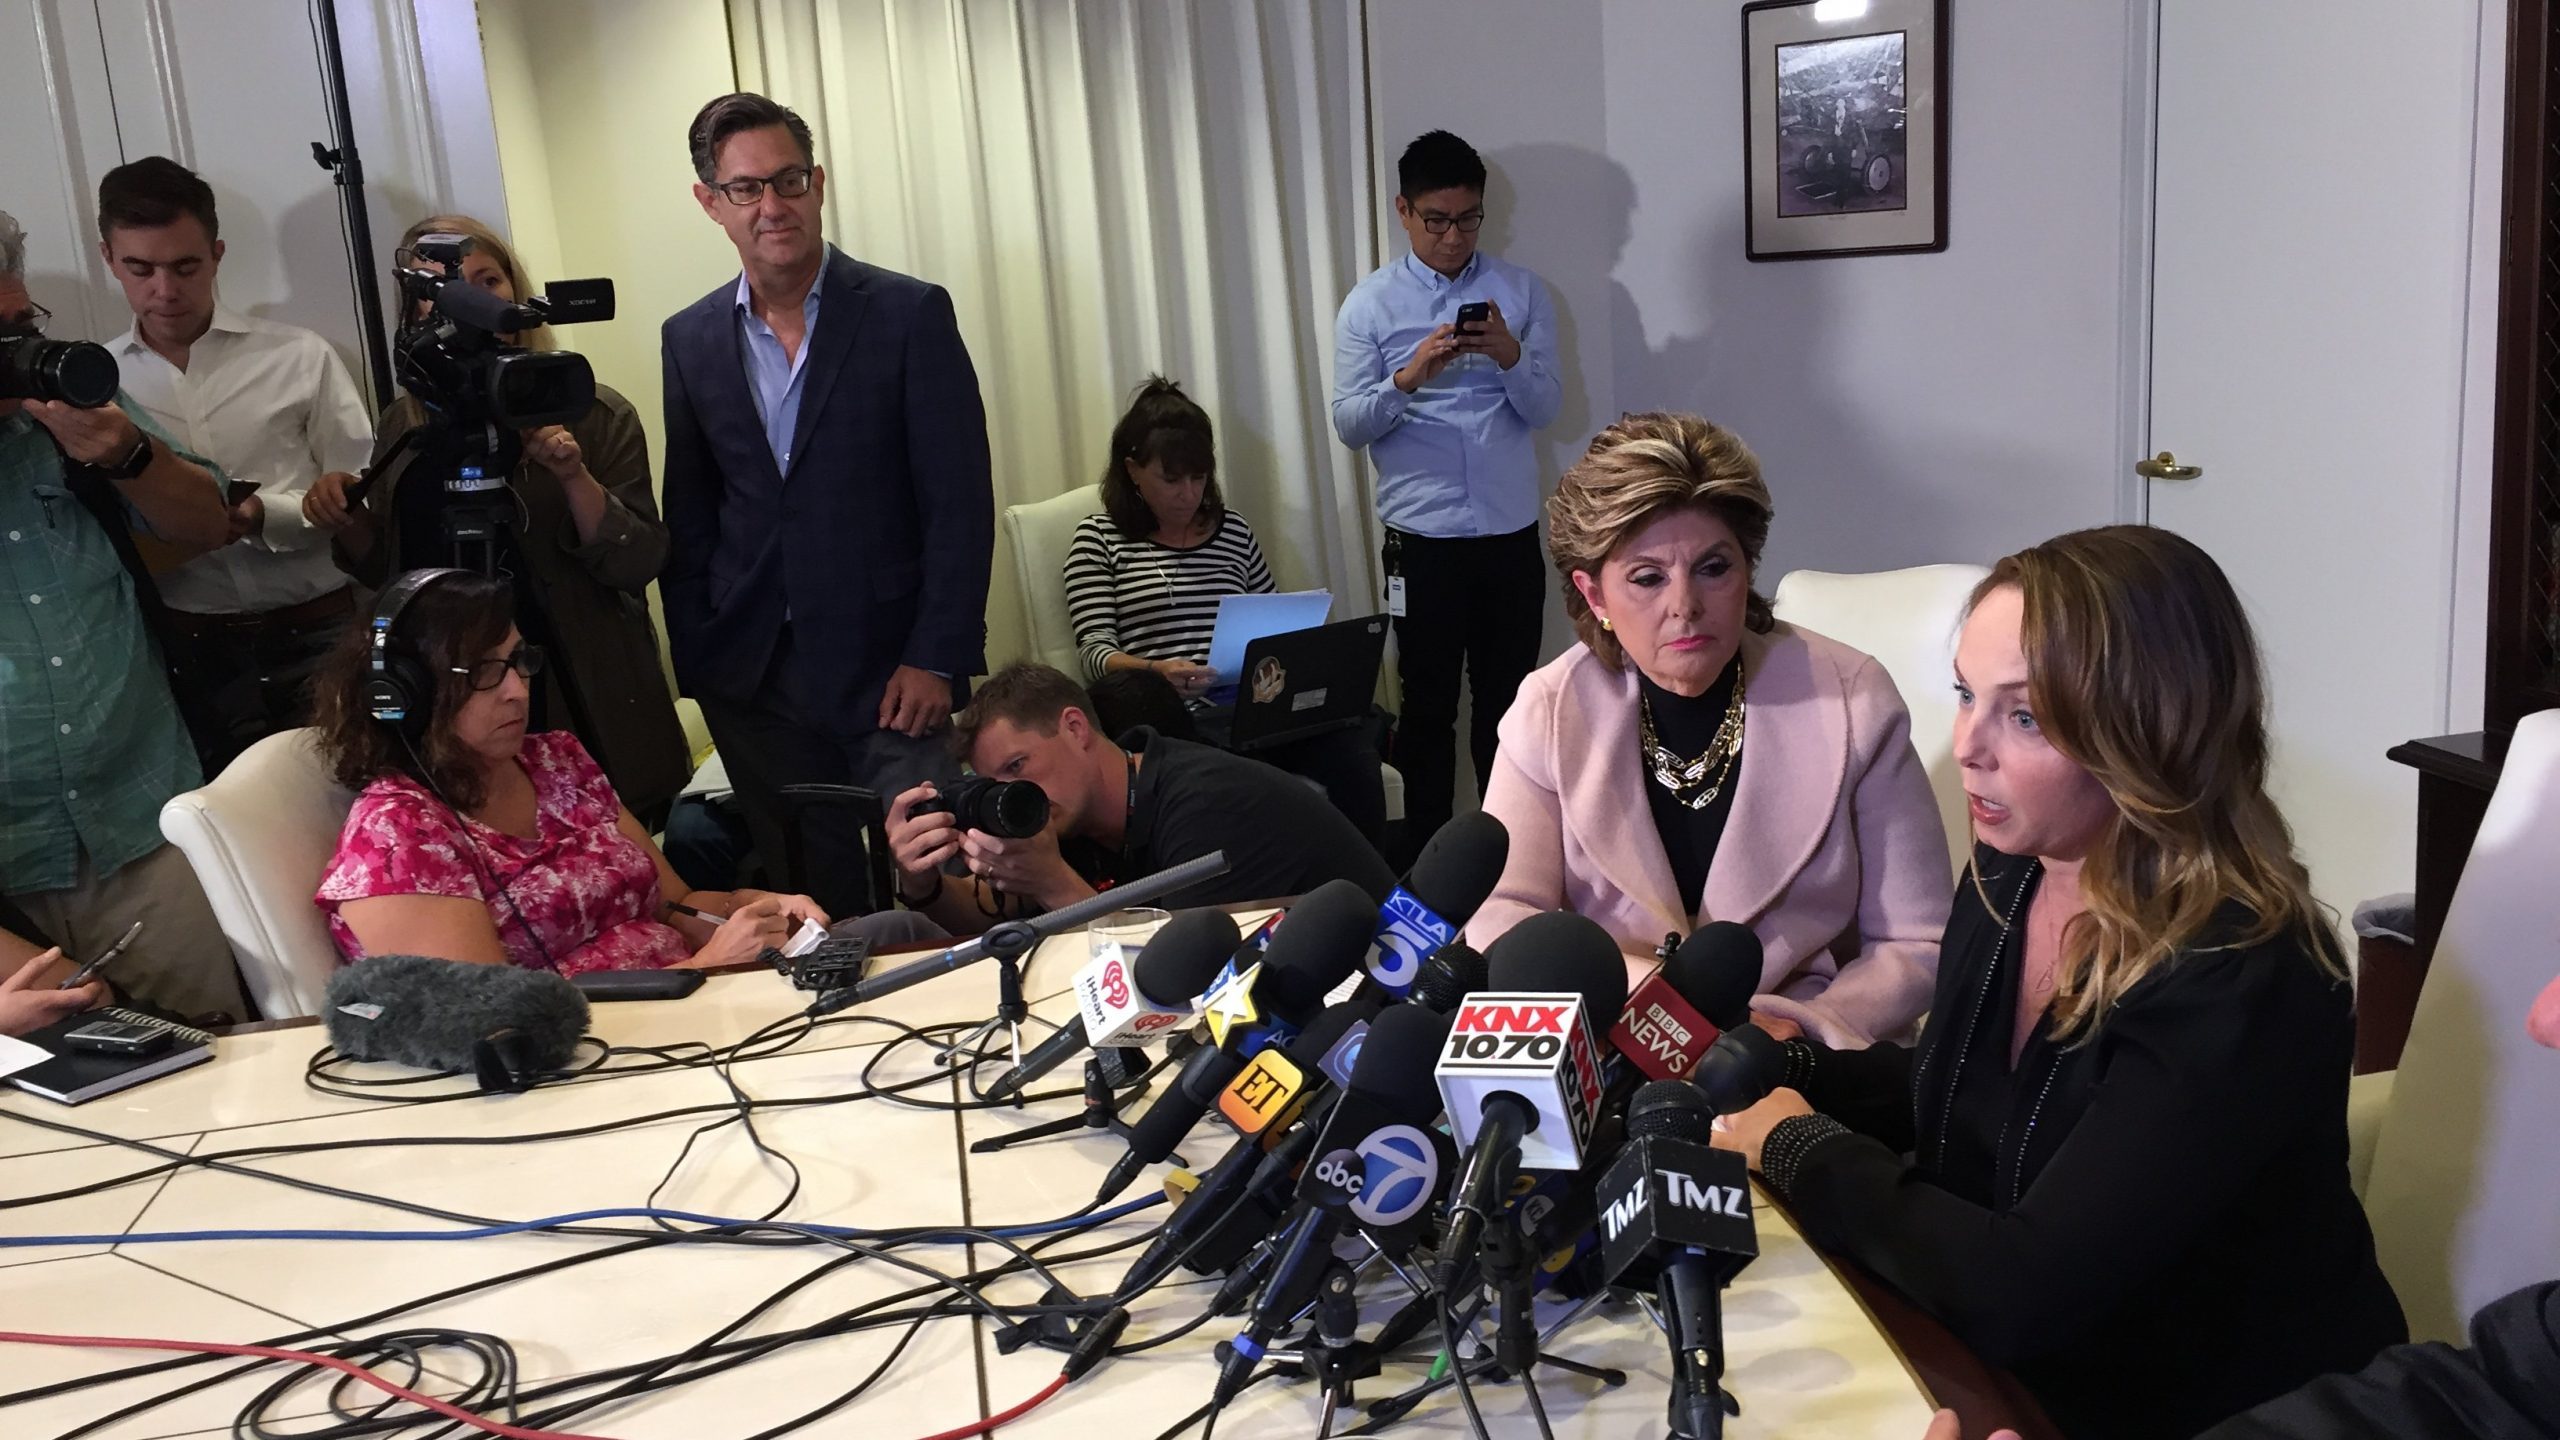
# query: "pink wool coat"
{"type": "Point", "coordinates": [1833, 854]}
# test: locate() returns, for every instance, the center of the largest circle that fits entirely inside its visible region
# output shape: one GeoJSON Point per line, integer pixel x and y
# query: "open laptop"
{"type": "Point", "coordinates": [1305, 682]}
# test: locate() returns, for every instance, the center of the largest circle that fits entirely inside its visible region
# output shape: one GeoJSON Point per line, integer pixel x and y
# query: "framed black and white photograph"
{"type": "Point", "coordinates": [1844, 126]}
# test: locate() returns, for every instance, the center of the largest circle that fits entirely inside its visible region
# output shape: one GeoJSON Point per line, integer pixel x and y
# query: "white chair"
{"type": "Point", "coordinates": [1907, 620]}
{"type": "Point", "coordinates": [2464, 1171]}
{"type": "Point", "coordinates": [1040, 532]}
{"type": "Point", "coordinates": [259, 837]}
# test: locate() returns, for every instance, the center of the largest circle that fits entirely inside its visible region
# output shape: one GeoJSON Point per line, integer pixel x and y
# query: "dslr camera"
{"type": "Point", "coordinates": [74, 372]}
{"type": "Point", "coordinates": [1006, 809]}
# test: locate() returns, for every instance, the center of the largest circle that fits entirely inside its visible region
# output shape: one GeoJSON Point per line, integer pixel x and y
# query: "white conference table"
{"type": "Point", "coordinates": [1803, 1355]}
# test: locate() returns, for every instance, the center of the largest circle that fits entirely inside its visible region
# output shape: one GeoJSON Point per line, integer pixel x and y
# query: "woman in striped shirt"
{"type": "Point", "coordinates": [1145, 576]}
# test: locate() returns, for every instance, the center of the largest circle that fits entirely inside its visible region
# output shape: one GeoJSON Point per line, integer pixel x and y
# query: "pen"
{"type": "Point", "coordinates": [682, 908]}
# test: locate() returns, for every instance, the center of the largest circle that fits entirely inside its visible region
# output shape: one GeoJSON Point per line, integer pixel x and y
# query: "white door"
{"type": "Point", "coordinates": [2311, 236]}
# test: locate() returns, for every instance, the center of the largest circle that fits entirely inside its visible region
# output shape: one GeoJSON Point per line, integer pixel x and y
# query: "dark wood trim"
{"type": "Point", "coordinates": [2513, 690]}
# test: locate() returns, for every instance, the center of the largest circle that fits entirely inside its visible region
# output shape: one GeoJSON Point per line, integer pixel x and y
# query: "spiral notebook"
{"type": "Point", "coordinates": [71, 1077]}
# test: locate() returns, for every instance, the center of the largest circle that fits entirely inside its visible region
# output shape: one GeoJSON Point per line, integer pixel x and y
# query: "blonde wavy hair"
{"type": "Point", "coordinates": [487, 242]}
{"type": "Point", "coordinates": [2144, 672]}
{"type": "Point", "coordinates": [1637, 471]}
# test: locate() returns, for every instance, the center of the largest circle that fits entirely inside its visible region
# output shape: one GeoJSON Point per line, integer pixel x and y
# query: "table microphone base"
{"type": "Point", "coordinates": [1101, 1112]}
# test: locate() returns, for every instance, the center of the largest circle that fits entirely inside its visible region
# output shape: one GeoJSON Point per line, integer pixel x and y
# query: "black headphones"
{"type": "Point", "coordinates": [398, 689]}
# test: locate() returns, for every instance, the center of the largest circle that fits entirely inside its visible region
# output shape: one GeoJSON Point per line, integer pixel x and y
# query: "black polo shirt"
{"type": "Point", "coordinates": [1281, 836]}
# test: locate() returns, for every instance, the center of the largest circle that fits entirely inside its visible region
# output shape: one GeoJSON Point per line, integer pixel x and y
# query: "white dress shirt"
{"type": "Point", "coordinates": [266, 402]}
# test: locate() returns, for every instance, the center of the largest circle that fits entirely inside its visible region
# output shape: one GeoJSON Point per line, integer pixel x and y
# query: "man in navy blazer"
{"type": "Point", "coordinates": [829, 499]}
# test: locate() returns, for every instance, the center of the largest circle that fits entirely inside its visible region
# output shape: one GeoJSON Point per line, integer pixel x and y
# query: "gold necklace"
{"type": "Point", "coordinates": [1683, 778]}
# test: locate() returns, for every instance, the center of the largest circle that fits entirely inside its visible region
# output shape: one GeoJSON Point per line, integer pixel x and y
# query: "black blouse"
{"type": "Point", "coordinates": [1686, 726]}
{"type": "Point", "coordinates": [2153, 1228]}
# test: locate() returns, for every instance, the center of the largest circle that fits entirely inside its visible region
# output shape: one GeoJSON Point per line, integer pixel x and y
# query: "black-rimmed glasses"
{"type": "Point", "coordinates": [30, 321]}
{"type": "Point", "coordinates": [1467, 224]}
{"type": "Point", "coordinates": [488, 674]}
{"type": "Point", "coordinates": [790, 184]}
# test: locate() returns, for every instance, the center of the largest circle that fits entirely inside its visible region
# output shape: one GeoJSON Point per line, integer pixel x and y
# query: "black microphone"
{"type": "Point", "coordinates": [1453, 972]}
{"type": "Point", "coordinates": [1678, 1218]}
{"type": "Point", "coordinates": [1741, 1068]}
{"type": "Point", "coordinates": [511, 1028]}
{"type": "Point", "coordinates": [1128, 1002]}
{"type": "Point", "coordinates": [1377, 1130]}
{"type": "Point", "coordinates": [1449, 880]}
{"type": "Point", "coordinates": [1521, 1074]}
{"type": "Point", "coordinates": [1703, 989]}
{"type": "Point", "coordinates": [1228, 1184]}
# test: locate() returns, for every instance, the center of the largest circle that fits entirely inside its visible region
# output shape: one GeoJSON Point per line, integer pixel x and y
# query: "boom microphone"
{"type": "Point", "coordinates": [1453, 875]}
{"type": "Point", "coordinates": [1130, 1002]}
{"type": "Point", "coordinates": [1520, 1074]}
{"type": "Point", "coordinates": [511, 1028]}
{"type": "Point", "coordinates": [1701, 991]}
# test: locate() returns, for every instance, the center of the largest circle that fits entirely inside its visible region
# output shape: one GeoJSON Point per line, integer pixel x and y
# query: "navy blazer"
{"type": "Point", "coordinates": [876, 544]}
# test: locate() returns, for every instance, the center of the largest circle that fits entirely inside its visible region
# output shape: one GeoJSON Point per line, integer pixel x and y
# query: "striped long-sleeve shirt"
{"type": "Point", "coordinates": [1152, 600]}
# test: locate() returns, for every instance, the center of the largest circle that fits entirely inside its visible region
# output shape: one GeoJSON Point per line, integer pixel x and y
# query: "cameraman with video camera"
{"type": "Point", "coordinates": [1094, 815]}
{"type": "Point", "coordinates": [90, 743]}
{"type": "Point", "coordinates": [580, 518]}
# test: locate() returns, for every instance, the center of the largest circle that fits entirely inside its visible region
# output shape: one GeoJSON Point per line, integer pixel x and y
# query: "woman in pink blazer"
{"type": "Point", "coordinates": [1694, 760]}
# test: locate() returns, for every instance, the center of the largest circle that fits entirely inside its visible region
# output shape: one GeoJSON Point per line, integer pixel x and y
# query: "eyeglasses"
{"type": "Point", "coordinates": [488, 674]}
{"type": "Point", "coordinates": [1467, 224]}
{"type": "Point", "coordinates": [790, 184]}
{"type": "Point", "coordinates": [29, 321]}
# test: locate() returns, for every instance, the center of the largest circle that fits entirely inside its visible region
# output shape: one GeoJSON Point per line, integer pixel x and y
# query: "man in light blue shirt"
{"type": "Point", "coordinates": [1444, 369]}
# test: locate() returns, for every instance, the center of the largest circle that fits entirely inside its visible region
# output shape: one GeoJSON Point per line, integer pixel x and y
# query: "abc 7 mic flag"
{"type": "Point", "coordinates": [1384, 1174]}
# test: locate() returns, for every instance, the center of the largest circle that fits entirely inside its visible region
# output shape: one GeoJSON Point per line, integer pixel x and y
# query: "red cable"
{"type": "Point", "coordinates": [332, 1362]}
{"type": "Point", "coordinates": [981, 1427]}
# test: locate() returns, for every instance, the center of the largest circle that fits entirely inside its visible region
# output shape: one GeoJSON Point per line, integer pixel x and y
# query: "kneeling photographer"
{"type": "Point", "coordinates": [1103, 816]}
{"type": "Point", "coordinates": [573, 523]}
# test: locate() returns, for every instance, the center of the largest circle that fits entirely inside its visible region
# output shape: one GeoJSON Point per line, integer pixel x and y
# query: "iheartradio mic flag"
{"type": "Point", "coordinates": [1408, 931]}
{"type": "Point", "coordinates": [1535, 1046]}
{"type": "Point", "coordinates": [1661, 1033]}
{"type": "Point", "coordinates": [1113, 1011]}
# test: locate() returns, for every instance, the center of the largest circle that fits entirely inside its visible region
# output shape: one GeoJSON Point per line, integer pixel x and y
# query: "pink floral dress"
{"type": "Point", "coordinates": [580, 884]}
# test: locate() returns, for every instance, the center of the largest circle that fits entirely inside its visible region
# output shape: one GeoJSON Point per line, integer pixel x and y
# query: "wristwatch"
{"type": "Point", "coordinates": [135, 462]}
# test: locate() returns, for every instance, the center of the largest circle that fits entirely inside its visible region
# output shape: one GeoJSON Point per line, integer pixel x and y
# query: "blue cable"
{"type": "Point", "coordinates": [959, 1235]}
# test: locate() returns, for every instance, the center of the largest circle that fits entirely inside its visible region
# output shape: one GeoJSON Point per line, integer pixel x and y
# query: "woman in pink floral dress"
{"type": "Point", "coordinates": [472, 840]}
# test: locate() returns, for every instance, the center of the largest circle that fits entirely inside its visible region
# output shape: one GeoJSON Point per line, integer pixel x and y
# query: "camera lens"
{"type": "Point", "coordinates": [1007, 809]}
{"type": "Point", "coordinates": [74, 372]}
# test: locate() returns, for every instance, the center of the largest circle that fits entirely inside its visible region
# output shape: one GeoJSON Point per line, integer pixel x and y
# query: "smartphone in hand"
{"type": "Point", "coordinates": [238, 491]}
{"type": "Point", "coordinates": [1472, 317]}
{"type": "Point", "coordinates": [89, 972]}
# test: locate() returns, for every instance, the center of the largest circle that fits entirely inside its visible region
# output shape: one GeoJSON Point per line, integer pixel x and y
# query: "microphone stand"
{"type": "Point", "coordinates": [1103, 1098]}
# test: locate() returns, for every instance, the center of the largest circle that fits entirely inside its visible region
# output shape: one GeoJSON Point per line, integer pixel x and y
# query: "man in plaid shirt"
{"type": "Point", "coordinates": [90, 740]}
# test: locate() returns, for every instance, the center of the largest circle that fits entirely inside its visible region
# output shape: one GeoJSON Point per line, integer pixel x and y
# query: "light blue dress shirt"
{"type": "Point", "coordinates": [1457, 457]}
{"type": "Point", "coordinates": [772, 376]}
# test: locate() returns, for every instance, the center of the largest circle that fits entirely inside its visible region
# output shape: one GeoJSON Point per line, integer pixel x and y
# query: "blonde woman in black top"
{"type": "Point", "coordinates": [2117, 1160]}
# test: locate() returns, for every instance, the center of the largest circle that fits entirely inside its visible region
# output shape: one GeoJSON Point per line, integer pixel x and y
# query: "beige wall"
{"type": "Point", "coordinates": [591, 99]}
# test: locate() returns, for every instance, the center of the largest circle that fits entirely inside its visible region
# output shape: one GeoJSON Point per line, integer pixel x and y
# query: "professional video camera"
{"type": "Point", "coordinates": [481, 390]}
{"type": "Point", "coordinates": [72, 371]}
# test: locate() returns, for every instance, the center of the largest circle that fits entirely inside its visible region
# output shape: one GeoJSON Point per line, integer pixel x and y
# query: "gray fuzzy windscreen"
{"type": "Point", "coordinates": [415, 1010]}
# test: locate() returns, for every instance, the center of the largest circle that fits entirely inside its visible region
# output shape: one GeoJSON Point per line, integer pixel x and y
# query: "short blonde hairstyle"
{"type": "Point", "coordinates": [487, 242]}
{"type": "Point", "coordinates": [1646, 466]}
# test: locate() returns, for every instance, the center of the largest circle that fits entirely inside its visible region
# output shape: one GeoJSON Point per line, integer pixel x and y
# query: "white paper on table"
{"type": "Point", "coordinates": [1243, 619]}
{"type": "Point", "coordinates": [17, 1055]}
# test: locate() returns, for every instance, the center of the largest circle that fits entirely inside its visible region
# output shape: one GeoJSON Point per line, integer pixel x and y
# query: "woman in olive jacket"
{"type": "Point", "coordinates": [590, 541]}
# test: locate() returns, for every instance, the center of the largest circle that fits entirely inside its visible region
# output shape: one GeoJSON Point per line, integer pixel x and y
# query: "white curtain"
{"type": "Point", "coordinates": [1110, 188]}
